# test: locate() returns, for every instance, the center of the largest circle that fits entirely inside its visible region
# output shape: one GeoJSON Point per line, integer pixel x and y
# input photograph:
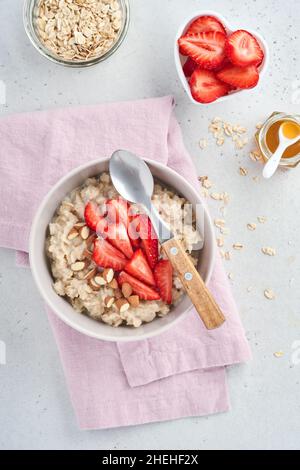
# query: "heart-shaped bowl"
{"type": "Point", "coordinates": [180, 59]}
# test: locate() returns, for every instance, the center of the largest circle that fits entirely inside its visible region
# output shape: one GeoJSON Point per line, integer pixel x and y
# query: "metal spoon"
{"type": "Point", "coordinates": [133, 180]}
{"type": "Point", "coordinates": [284, 142]}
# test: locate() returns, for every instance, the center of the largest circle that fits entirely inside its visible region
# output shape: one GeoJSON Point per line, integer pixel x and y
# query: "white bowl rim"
{"type": "Point", "coordinates": [262, 70]}
{"type": "Point", "coordinates": [43, 291]}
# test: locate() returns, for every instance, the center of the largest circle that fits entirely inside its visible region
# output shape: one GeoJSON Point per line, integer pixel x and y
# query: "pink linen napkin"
{"type": "Point", "coordinates": [179, 373]}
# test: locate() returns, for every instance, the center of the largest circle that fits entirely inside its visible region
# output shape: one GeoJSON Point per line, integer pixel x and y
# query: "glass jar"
{"type": "Point", "coordinates": [267, 140]}
{"type": "Point", "coordinates": [29, 18]}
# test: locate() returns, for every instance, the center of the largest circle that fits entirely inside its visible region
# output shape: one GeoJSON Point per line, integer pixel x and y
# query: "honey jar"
{"type": "Point", "coordinates": [267, 138]}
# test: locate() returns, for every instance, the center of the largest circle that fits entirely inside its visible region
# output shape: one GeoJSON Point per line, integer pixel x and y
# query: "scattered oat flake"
{"type": "Point", "coordinates": [259, 125]}
{"type": "Point", "coordinates": [255, 155]}
{"type": "Point", "coordinates": [278, 354]}
{"type": "Point", "coordinates": [269, 294]}
{"type": "Point", "coordinates": [243, 171]}
{"type": "Point", "coordinates": [255, 178]}
{"type": "Point", "coordinates": [222, 253]}
{"type": "Point", "coordinates": [222, 129]}
{"type": "Point", "coordinates": [238, 246]}
{"type": "Point", "coordinates": [227, 255]}
{"type": "Point", "coordinates": [251, 227]}
{"type": "Point", "coordinates": [267, 250]}
{"type": "Point", "coordinates": [219, 223]}
{"type": "Point", "coordinates": [205, 181]}
{"type": "Point", "coordinates": [240, 129]}
{"type": "Point", "coordinates": [262, 219]}
{"type": "Point", "coordinates": [216, 196]}
{"type": "Point", "coordinates": [220, 242]}
{"type": "Point", "coordinates": [230, 276]}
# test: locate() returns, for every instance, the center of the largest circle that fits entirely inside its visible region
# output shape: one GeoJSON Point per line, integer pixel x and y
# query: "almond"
{"type": "Point", "coordinates": [118, 294]}
{"type": "Point", "coordinates": [122, 305]}
{"type": "Point", "coordinates": [90, 274]}
{"type": "Point", "coordinates": [78, 225]}
{"type": "Point", "coordinates": [72, 234]}
{"type": "Point", "coordinates": [87, 254]}
{"type": "Point", "coordinates": [134, 300]}
{"type": "Point", "coordinates": [99, 280]}
{"type": "Point", "coordinates": [84, 232]}
{"type": "Point", "coordinates": [113, 284]}
{"type": "Point", "coordinates": [126, 290]}
{"type": "Point", "coordinates": [78, 266]}
{"type": "Point", "coordinates": [109, 301]}
{"type": "Point", "coordinates": [93, 285]}
{"type": "Point", "coordinates": [91, 239]}
{"type": "Point", "coordinates": [108, 275]}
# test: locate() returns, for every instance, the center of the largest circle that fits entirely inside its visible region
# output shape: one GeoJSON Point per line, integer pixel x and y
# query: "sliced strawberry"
{"type": "Point", "coordinates": [117, 235]}
{"type": "Point", "coordinates": [149, 240]}
{"type": "Point", "coordinates": [189, 67]}
{"type": "Point", "coordinates": [138, 267]}
{"type": "Point", "coordinates": [204, 24]}
{"type": "Point", "coordinates": [225, 62]}
{"type": "Point", "coordinates": [206, 87]}
{"type": "Point", "coordinates": [239, 77]}
{"type": "Point", "coordinates": [163, 274]}
{"type": "Point", "coordinates": [94, 218]}
{"type": "Point", "coordinates": [107, 256]}
{"type": "Point", "coordinates": [207, 49]}
{"type": "Point", "coordinates": [139, 288]}
{"type": "Point", "coordinates": [133, 231]}
{"type": "Point", "coordinates": [117, 210]}
{"type": "Point", "coordinates": [243, 49]}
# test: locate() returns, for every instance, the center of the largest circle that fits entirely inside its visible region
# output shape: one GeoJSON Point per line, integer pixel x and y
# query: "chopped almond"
{"type": "Point", "coordinates": [113, 284]}
{"type": "Point", "coordinates": [91, 240]}
{"type": "Point", "coordinates": [99, 280]}
{"type": "Point", "coordinates": [134, 300]}
{"type": "Point", "coordinates": [122, 305]}
{"type": "Point", "coordinates": [126, 290]}
{"type": "Point", "coordinates": [108, 275]}
{"type": "Point", "coordinates": [78, 266]}
{"type": "Point", "coordinates": [90, 274]}
{"type": "Point", "coordinates": [93, 285]}
{"type": "Point", "coordinates": [84, 232]}
{"type": "Point", "coordinates": [109, 301]}
{"type": "Point", "coordinates": [72, 234]}
{"type": "Point", "coordinates": [118, 294]}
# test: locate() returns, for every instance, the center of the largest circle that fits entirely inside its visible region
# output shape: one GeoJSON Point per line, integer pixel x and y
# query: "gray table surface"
{"type": "Point", "coordinates": [35, 410]}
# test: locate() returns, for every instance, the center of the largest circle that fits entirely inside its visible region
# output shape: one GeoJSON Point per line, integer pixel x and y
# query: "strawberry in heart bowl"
{"type": "Point", "coordinates": [97, 261]}
{"type": "Point", "coordinates": [215, 61]}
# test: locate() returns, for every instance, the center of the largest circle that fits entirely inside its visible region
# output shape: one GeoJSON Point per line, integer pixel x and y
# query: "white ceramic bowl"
{"type": "Point", "coordinates": [40, 265]}
{"type": "Point", "coordinates": [180, 59]}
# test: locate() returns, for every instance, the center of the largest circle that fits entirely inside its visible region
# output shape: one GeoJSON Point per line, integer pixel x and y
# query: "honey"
{"type": "Point", "coordinates": [267, 138]}
{"type": "Point", "coordinates": [290, 130]}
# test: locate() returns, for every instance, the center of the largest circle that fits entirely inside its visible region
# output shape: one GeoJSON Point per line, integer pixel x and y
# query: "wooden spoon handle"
{"type": "Point", "coordinates": [202, 299]}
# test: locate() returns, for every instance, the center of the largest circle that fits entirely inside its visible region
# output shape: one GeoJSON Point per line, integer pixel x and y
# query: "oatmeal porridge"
{"type": "Point", "coordinates": [105, 257]}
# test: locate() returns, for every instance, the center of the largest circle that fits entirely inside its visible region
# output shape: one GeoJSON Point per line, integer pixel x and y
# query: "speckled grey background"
{"type": "Point", "coordinates": [35, 411]}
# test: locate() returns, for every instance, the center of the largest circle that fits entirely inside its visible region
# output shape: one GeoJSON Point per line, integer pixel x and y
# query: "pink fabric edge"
{"type": "Point", "coordinates": [159, 366]}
